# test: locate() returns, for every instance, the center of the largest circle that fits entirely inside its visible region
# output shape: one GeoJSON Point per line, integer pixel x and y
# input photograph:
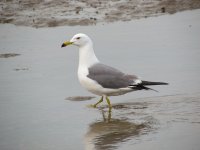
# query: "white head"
{"type": "Point", "coordinates": [79, 40]}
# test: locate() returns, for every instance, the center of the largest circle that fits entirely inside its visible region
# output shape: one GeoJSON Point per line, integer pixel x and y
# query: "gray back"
{"type": "Point", "coordinates": [109, 77]}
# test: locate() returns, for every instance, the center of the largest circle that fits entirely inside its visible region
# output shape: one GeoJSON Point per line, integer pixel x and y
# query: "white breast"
{"type": "Point", "coordinates": [88, 83]}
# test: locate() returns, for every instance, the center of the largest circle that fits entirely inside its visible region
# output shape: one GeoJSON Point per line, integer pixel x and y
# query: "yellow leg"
{"type": "Point", "coordinates": [101, 100]}
{"type": "Point", "coordinates": [108, 101]}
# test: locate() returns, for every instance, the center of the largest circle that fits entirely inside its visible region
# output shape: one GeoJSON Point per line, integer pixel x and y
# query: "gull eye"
{"type": "Point", "coordinates": [78, 38]}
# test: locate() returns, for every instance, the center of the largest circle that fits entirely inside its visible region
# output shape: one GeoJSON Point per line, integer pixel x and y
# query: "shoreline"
{"type": "Point", "coordinates": [83, 13]}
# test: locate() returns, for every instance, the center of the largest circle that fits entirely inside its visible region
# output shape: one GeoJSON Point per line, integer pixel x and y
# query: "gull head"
{"type": "Point", "coordinates": [79, 40]}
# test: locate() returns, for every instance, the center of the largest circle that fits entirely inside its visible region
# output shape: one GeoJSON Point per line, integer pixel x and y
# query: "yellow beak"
{"type": "Point", "coordinates": [66, 43]}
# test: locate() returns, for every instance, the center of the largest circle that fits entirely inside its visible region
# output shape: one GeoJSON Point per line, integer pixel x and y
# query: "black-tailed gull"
{"type": "Point", "coordinates": [101, 79]}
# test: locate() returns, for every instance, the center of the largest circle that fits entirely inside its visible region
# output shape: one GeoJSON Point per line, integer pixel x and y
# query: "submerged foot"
{"type": "Point", "coordinates": [101, 100]}
{"type": "Point", "coordinates": [91, 106]}
{"type": "Point", "coordinates": [95, 105]}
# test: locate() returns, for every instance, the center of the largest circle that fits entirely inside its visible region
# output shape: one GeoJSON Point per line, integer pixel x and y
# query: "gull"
{"type": "Point", "coordinates": [100, 79]}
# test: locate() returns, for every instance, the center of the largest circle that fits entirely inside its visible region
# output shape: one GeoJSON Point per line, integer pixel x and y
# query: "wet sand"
{"type": "Point", "coordinates": [49, 13]}
{"type": "Point", "coordinates": [7, 55]}
{"type": "Point", "coordinates": [35, 115]}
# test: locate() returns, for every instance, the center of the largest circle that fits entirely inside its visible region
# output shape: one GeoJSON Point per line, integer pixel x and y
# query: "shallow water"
{"type": "Point", "coordinates": [34, 112]}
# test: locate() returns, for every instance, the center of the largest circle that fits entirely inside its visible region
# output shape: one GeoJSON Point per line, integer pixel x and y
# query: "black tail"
{"type": "Point", "coordinates": [142, 86]}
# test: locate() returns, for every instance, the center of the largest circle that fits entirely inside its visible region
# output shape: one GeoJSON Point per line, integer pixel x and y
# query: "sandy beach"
{"type": "Point", "coordinates": [41, 100]}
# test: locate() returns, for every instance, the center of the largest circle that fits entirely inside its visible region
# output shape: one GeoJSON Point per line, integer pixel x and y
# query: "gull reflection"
{"type": "Point", "coordinates": [108, 132]}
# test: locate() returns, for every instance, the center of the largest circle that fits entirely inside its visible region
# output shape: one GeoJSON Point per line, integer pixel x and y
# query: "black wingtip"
{"type": "Point", "coordinates": [162, 83]}
{"type": "Point", "coordinates": [154, 83]}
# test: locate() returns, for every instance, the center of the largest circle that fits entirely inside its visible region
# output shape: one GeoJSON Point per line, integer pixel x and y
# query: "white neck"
{"type": "Point", "coordinates": [87, 56]}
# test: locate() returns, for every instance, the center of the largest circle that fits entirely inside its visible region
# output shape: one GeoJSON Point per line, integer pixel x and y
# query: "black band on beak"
{"type": "Point", "coordinates": [63, 45]}
{"type": "Point", "coordinates": [66, 43]}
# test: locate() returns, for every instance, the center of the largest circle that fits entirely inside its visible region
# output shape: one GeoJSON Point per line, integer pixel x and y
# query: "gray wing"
{"type": "Point", "coordinates": [109, 77]}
